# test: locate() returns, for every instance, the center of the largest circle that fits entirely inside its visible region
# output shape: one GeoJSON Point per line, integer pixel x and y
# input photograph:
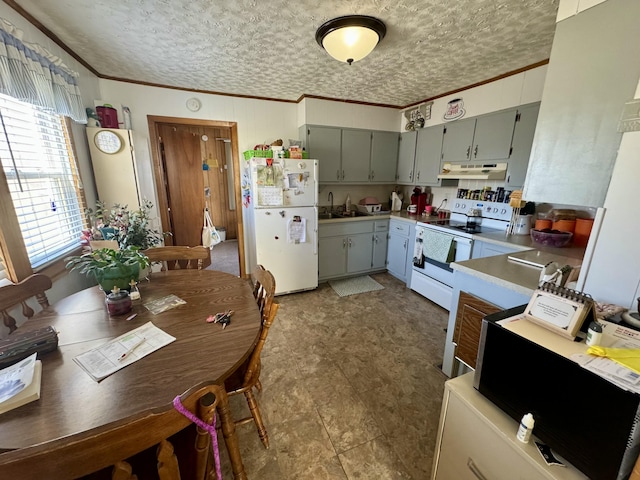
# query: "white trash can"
{"type": "Point", "coordinates": [222, 232]}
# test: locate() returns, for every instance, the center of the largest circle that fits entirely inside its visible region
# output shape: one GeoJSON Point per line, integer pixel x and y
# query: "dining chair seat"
{"type": "Point", "coordinates": [18, 293]}
{"type": "Point", "coordinates": [178, 257]}
{"type": "Point", "coordinates": [119, 447]}
{"type": "Point", "coordinates": [248, 375]}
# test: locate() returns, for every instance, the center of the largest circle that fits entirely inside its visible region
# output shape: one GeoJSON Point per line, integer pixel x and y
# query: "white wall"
{"type": "Point", "coordinates": [614, 274]}
{"type": "Point", "coordinates": [349, 115]}
{"type": "Point", "coordinates": [259, 121]}
{"type": "Point", "coordinates": [520, 89]}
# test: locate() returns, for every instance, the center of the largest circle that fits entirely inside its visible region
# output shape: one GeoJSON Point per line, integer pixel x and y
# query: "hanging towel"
{"type": "Point", "coordinates": [628, 357]}
{"type": "Point", "coordinates": [438, 246]}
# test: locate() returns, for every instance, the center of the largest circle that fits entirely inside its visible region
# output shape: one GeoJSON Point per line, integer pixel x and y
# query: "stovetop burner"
{"type": "Point", "coordinates": [467, 229]}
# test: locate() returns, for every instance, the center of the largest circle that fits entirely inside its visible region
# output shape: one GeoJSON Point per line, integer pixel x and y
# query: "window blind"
{"type": "Point", "coordinates": [42, 179]}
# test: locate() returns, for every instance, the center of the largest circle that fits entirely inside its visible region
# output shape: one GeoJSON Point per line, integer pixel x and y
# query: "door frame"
{"type": "Point", "coordinates": [160, 174]}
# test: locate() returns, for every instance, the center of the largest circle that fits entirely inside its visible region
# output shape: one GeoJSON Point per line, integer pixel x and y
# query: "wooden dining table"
{"type": "Point", "coordinates": [71, 403]}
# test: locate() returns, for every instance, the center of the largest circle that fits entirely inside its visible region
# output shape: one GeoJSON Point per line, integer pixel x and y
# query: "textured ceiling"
{"type": "Point", "coordinates": [268, 48]}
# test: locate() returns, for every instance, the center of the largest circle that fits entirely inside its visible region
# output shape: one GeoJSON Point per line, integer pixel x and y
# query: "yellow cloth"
{"type": "Point", "coordinates": [628, 357]}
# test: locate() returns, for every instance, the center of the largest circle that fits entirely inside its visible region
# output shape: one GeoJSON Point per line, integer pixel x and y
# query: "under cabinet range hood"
{"type": "Point", "coordinates": [474, 171]}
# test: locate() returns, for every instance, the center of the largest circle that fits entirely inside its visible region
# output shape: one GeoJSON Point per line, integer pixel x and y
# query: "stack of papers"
{"type": "Point", "coordinates": [20, 383]}
{"type": "Point", "coordinates": [102, 361]}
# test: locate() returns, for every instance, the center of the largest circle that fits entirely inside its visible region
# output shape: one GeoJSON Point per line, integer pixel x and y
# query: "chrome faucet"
{"type": "Point", "coordinates": [330, 198]}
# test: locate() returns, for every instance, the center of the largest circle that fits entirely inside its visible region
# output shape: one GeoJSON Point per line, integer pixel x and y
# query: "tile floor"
{"type": "Point", "coordinates": [352, 388]}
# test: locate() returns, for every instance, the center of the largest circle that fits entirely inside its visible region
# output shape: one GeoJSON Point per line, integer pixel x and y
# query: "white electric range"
{"type": "Point", "coordinates": [433, 278]}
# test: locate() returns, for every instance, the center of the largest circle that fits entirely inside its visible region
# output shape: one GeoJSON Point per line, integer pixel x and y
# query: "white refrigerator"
{"type": "Point", "coordinates": [282, 219]}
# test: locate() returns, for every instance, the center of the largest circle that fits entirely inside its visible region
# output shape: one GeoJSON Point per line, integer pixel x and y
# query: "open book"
{"type": "Point", "coordinates": [20, 383]}
{"type": "Point", "coordinates": [560, 309]}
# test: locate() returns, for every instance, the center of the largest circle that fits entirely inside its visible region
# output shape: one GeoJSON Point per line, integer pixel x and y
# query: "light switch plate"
{"type": "Point", "coordinates": [630, 118]}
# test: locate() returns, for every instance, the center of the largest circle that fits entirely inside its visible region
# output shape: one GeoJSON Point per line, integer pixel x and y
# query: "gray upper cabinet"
{"type": "Point", "coordinates": [521, 145]}
{"type": "Point", "coordinates": [384, 156]}
{"type": "Point", "coordinates": [458, 139]}
{"type": "Point", "coordinates": [352, 155]}
{"type": "Point", "coordinates": [323, 144]}
{"type": "Point", "coordinates": [356, 153]}
{"type": "Point", "coordinates": [484, 138]}
{"type": "Point", "coordinates": [406, 156]}
{"type": "Point", "coordinates": [427, 163]}
{"type": "Point", "coordinates": [492, 138]}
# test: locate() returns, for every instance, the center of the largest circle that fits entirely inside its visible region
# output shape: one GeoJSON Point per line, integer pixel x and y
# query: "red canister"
{"type": "Point", "coordinates": [108, 116]}
{"type": "Point", "coordinates": [582, 231]}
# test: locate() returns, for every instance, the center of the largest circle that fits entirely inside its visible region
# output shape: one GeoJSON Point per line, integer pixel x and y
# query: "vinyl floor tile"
{"type": "Point", "coordinates": [351, 387]}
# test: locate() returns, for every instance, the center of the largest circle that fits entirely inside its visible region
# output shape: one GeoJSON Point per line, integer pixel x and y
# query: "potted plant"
{"type": "Point", "coordinates": [110, 268]}
{"type": "Point", "coordinates": [127, 227]}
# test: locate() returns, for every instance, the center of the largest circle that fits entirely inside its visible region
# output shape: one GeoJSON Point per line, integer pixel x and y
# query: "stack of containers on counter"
{"type": "Point", "coordinates": [566, 220]}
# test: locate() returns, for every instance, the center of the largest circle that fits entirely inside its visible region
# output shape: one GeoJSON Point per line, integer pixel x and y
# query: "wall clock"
{"type": "Point", "coordinates": [108, 142]}
{"type": "Point", "coordinates": [193, 104]}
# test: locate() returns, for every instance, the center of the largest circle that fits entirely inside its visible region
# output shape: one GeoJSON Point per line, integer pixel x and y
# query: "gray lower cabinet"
{"type": "Point", "coordinates": [349, 248]}
{"type": "Point", "coordinates": [399, 247]}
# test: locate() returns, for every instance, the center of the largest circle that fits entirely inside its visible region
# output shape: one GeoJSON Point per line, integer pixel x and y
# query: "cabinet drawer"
{"type": "Point", "coordinates": [381, 226]}
{"type": "Point", "coordinates": [471, 450]}
{"type": "Point", "coordinates": [400, 228]}
{"type": "Point", "coordinates": [345, 228]}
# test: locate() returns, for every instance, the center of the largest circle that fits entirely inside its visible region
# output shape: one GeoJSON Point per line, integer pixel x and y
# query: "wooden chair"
{"type": "Point", "coordinates": [19, 293]}
{"type": "Point", "coordinates": [117, 446]}
{"type": "Point", "coordinates": [248, 376]}
{"type": "Point", "coordinates": [176, 255]}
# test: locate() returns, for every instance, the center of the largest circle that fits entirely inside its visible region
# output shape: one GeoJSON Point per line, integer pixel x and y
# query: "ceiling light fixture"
{"type": "Point", "coordinates": [350, 38]}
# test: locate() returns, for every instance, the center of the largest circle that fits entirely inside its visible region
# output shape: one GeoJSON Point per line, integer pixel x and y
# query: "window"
{"type": "Point", "coordinates": [42, 181]}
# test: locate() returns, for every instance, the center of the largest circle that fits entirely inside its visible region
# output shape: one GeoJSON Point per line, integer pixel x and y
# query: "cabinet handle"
{"type": "Point", "coordinates": [411, 175]}
{"type": "Point", "coordinates": [337, 174]}
{"type": "Point", "coordinates": [475, 152]}
{"type": "Point", "coordinates": [349, 243]}
{"type": "Point", "coordinates": [475, 470]}
{"type": "Point", "coordinates": [418, 176]}
{"type": "Point", "coordinates": [375, 239]}
{"type": "Point", "coordinates": [468, 150]}
{"type": "Point", "coordinates": [405, 244]}
{"type": "Point", "coordinates": [344, 242]}
{"type": "Point", "coordinates": [342, 174]}
{"type": "Point", "coordinates": [373, 174]}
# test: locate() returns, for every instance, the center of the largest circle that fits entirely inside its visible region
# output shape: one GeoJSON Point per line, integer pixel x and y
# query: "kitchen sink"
{"type": "Point", "coordinates": [329, 215]}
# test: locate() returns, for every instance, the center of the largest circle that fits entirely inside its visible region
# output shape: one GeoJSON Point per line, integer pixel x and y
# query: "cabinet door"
{"type": "Point", "coordinates": [397, 255]}
{"type": "Point", "coordinates": [380, 242]}
{"type": "Point", "coordinates": [457, 140]}
{"type": "Point", "coordinates": [521, 145]}
{"type": "Point", "coordinates": [406, 156]}
{"type": "Point", "coordinates": [356, 153]}
{"type": "Point", "coordinates": [492, 138]}
{"type": "Point", "coordinates": [324, 145]}
{"type": "Point", "coordinates": [428, 153]}
{"type": "Point", "coordinates": [332, 257]}
{"type": "Point", "coordinates": [466, 336]}
{"type": "Point", "coordinates": [486, 249]}
{"type": "Point", "coordinates": [472, 449]}
{"type": "Point", "coordinates": [384, 156]}
{"type": "Point", "coordinates": [360, 252]}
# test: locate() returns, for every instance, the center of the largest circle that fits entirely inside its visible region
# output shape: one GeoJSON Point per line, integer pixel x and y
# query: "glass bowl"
{"type": "Point", "coordinates": [551, 238]}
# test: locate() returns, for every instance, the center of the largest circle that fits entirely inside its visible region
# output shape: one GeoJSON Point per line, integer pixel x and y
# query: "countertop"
{"type": "Point", "coordinates": [401, 215]}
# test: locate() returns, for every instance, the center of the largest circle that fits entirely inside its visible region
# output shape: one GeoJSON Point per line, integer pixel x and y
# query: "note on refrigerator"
{"type": "Point", "coordinates": [297, 230]}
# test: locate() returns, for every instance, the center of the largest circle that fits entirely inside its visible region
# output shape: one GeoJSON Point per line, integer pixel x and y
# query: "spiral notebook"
{"type": "Point", "coordinates": [560, 309]}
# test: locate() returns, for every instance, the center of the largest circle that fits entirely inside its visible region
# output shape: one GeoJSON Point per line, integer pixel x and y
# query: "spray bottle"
{"type": "Point", "coordinates": [347, 204]}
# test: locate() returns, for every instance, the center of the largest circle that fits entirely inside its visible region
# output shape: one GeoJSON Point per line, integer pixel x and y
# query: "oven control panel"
{"type": "Point", "coordinates": [495, 210]}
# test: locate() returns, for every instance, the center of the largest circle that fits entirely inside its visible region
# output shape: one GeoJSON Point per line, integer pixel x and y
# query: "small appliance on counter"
{"type": "Point", "coordinates": [474, 217]}
{"type": "Point", "coordinates": [419, 199]}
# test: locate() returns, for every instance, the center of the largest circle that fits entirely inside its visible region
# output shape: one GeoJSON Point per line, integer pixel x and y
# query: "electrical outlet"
{"type": "Point", "coordinates": [446, 197]}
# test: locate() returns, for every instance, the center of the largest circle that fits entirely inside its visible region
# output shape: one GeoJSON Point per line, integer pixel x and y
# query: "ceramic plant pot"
{"type": "Point", "coordinates": [120, 277]}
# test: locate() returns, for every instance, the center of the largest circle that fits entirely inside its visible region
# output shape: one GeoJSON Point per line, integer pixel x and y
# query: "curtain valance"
{"type": "Point", "coordinates": [30, 73]}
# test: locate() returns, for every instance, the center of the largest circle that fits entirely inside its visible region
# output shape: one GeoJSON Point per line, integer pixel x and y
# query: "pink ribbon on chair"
{"type": "Point", "coordinates": [177, 404]}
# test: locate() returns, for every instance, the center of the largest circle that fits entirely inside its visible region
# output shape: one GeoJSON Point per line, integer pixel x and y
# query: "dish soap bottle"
{"type": "Point", "coordinates": [347, 204]}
